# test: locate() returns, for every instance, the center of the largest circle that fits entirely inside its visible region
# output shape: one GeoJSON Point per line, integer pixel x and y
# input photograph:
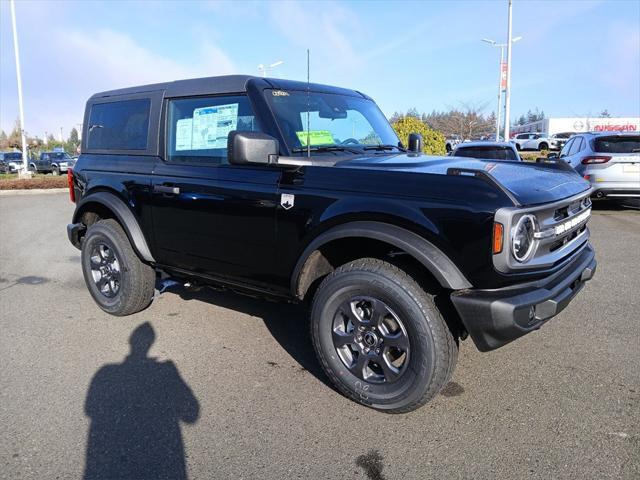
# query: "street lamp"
{"type": "Point", "coordinates": [263, 69]}
{"type": "Point", "coordinates": [502, 80]}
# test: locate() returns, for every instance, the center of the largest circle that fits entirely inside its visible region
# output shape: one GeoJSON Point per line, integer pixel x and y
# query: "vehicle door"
{"type": "Point", "coordinates": [209, 216]}
{"type": "Point", "coordinates": [43, 163]}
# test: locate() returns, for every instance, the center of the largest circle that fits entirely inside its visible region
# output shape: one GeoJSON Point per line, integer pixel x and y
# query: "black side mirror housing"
{"type": "Point", "coordinates": [415, 143]}
{"type": "Point", "coordinates": [252, 148]}
{"type": "Point", "coordinates": [552, 156]}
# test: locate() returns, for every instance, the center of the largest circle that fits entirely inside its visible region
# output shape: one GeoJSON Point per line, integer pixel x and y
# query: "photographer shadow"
{"type": "Point", "coordinates": [135, 409]}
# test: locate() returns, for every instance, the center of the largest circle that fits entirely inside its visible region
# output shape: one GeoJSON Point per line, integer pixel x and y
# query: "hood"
{"type": "Point", "coordinates": [525, 182]}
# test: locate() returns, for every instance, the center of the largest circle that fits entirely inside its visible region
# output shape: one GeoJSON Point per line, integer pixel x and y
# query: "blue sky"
{"type": "Point", "coordinates": [576, 57]}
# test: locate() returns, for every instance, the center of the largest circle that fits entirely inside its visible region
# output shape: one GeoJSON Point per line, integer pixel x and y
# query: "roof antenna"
{"type": "Point", "coordinates": [308, 131]}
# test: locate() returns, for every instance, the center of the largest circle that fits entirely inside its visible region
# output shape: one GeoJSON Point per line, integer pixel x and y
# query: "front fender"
{"type": "Point", "coordinates": [440, 266]}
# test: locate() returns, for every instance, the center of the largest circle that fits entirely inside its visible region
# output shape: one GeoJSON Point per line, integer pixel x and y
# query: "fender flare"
{"type": "Point", "coordinates": [431, 257]}
{"type": "Point", "coordinates": [125, 218]}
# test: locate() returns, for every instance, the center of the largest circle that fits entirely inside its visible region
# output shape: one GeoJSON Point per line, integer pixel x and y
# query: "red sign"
{"type": "Point", "coordinates": [629, 127]}
{"type": "Point", "coordinates": [503, 75]}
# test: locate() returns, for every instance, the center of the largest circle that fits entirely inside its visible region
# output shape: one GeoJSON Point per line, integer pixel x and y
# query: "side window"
{"type": "Point", "coordinates": [197, 128]}
{"type": "Point", "coordinates": [567, 147]}
{"type": "Point", "coordinates": [122, 125]}
{"type": "Point", "coordinates": [576, 147]}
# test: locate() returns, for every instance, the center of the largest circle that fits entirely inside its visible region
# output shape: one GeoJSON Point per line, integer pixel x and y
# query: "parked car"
{"type": "Point", "coordinates": [531, 141]}
{"type": "Point", "coordinates": [10, 162]}
{"type": "Point", "coordinates": [451, 142]}
{"type": "Point", "coordinates": [610, 161]}
{"type": "Point", "coordinates": [219, 181]}
{"type": "Point", "coordinates": [488, 151]}
{"type": "Point", "coordinates": [52, 162]}
{"type": "Point", "coordinates": [557, 140]}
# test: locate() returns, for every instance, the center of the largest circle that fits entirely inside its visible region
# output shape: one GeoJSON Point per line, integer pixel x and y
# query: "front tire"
{"type": "Point", "coordinates": [543, 146]}
{"type": "Point", "coordinates": [119, 282]}
{"type": "Point", "coordinates": [55, 171]}
{"type": "Point", "coordinates": [380, 337]}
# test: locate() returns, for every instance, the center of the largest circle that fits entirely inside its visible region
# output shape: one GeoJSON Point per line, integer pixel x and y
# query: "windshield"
{"type": "Point", "coordinates": [337, 123]}
{"type": "Point", "coordinates": [493, 153]}
{"type": "Point", "coordinates": [617, 144]}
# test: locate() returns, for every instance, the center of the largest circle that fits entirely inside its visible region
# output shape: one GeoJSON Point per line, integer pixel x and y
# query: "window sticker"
{"type": "Point", "coordinates": [316, 137]}
{"type": "Point", "coordinates": [184, 128]}
{"type": "Point", "coordinates": [211, 126]}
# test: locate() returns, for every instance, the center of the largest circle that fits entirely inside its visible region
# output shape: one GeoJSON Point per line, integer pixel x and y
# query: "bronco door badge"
{"type": "Point", "coordinates": [286, 200]}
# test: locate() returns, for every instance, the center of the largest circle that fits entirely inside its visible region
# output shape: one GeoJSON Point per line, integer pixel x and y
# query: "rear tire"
{"type": "Point", "coordinates": [119, 282]}
{"type": "Point", "coordinates": [348, 305]}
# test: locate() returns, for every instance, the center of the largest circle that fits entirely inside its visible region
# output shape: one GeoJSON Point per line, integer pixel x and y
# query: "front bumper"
{"type": "Point", "coordinates": [494, 318]}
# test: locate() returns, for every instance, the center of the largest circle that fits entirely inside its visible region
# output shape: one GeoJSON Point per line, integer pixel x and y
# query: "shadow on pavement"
{"type": "Point", "coordinates": [616, 205]}
{"type": "Point", "coordinates": [135, 409]}
{"type": "Point", "coordinates": [287, 323]}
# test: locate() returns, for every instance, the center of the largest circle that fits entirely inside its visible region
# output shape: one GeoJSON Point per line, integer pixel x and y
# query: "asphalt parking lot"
{"type": "Point", "coordinates": [245, 398]}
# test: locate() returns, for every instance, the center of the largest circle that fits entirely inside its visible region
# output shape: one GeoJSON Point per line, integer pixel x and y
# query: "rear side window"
{"type": "Point", "coordinates": [614, 144]}
{"type": "Point", "coordinates": [122, 125]}
{"type": "Point", "coordinates": [197, 128]}
{"type": "Point", "coordinates": [487, 152]}
{"type": "Point", "coordinates": [576, 146]}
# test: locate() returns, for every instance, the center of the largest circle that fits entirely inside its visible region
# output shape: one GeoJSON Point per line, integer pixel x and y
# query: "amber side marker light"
{"type": "Point", "coordinates": [498, 235]}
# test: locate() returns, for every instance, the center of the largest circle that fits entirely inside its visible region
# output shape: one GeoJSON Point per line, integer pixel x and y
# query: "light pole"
{"type": "Point", "coordinates": [507, 95]}
{"type": "Point", "coordinates": [501, 79]}
{"type": "Point", "coordinates": [16, 49]}
{"type": "Point", "coordinates": [263, 69]}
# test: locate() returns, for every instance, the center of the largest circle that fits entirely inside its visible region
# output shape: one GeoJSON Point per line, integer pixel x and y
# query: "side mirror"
{"type": "Point", "coordinates": [415, 143]}
{"type": "Point", "coordinates": [552, 156]}
{"type": "Point", "coordinates": [248, 148]}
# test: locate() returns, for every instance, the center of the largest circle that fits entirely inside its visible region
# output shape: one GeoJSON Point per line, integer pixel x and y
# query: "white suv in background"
{"type": "Point", "coordinates": [531, 141]}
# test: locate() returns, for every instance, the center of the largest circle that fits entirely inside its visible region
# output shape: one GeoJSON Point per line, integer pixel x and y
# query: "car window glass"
{"type": "Point", "coordinates": [491, 153]}
{"type": "Point", "coordinates": [197, 128]}
{"type": "Point", "coordinates": [576, 146]}
{"type": "Point", "coordinates": [567, 147]}
{"type": "Point", "coordinates": [617, 144]}
{"type": "Point", "coordinates": [122, 125]}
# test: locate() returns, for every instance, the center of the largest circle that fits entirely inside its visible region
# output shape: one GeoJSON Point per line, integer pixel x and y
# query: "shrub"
{"type": "Point", "coordinates": [433, 141]}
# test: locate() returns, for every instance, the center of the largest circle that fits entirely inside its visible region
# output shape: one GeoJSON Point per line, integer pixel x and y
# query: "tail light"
{"type": "Point", "coordinates": [72, 192]}
{"type": "Point", "coordinates": [596, 159]}
{"type": "Point", "coordinates": [498, 235]}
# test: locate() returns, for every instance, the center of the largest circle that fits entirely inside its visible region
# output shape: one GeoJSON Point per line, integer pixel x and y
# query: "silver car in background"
{"type": "Point", "coordinates": [610, 161]}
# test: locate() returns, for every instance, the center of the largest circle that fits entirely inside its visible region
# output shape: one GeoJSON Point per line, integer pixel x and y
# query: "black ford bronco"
{"type": "Point", "coordinates": [303, 192]}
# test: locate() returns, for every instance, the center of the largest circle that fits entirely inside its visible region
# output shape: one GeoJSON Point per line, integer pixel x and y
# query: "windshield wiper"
{"type": "Point", "coordinates": [326, 148]}
{"type": "Point", "coordinates": [384, 147]}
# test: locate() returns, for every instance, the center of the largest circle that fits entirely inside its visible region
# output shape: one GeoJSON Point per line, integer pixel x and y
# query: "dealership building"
{"type": "Point", "coordinates": [579, 124]}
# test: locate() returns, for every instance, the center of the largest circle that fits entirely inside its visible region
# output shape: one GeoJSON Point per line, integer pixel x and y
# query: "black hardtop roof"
{"type": "Point", "coordinates": [221, 85]}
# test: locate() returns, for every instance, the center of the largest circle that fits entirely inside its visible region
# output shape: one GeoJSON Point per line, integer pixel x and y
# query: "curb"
{"type": "Point", "coordinates": [33, 191]}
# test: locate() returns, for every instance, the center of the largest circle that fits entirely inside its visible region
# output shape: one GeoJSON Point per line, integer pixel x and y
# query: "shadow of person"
{"type": "Point", "coordinates": [135, 409]}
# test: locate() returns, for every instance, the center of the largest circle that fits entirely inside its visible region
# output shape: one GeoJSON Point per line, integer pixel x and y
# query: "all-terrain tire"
{"type": "Point", "coordinates": [433, 349]}
{"type": "Point", "coordinates": [136, 278]}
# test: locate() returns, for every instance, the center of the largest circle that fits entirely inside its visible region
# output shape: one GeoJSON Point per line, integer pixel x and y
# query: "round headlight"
{"type": "Point", "coordinates": [522, 239]}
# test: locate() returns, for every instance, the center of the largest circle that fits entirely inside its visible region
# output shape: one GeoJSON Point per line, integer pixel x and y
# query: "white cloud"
{"type": "Point", "coordinates": [78, 64]}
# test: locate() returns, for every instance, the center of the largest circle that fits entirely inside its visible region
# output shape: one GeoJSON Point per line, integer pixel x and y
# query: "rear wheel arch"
{"type": "Point", "coordinates": [368, 238]}
{"type": "Point", "coordinates": [104, 204]}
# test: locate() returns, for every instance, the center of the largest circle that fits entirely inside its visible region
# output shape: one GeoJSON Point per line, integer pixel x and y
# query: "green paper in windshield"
{"type": "Point", "coordinates": [316, 137]}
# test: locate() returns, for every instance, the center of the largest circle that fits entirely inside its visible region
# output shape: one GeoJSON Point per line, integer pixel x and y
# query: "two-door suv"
{"type": "Point", "coordinates": [303, 192]}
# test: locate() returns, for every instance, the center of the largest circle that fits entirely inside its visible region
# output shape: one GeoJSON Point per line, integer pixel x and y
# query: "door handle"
{"type": "Point", "coordinates": [166, 189]}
